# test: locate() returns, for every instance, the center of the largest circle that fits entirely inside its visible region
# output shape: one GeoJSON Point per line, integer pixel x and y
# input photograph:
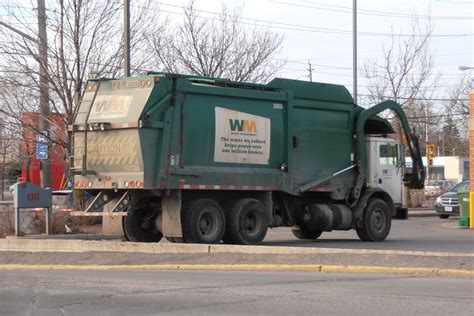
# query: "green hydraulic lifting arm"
{"type": "Point", "coordinates": [418, 175]}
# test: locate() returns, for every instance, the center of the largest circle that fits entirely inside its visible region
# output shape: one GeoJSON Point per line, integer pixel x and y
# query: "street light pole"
{"type": "Point", "coordinates": [354, 49]}
{"type": "Point", "coordinates": [44, 90]}
{"type": "Point", "coordinates": [126, 32]}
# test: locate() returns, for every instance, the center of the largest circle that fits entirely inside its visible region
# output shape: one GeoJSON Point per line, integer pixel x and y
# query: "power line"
{"type": "Point", "coordinates": [296, 27]}
{"type": "Point", "coordinates": [416, 99]}
{"type": "Point", "coordinates": [345, 9]}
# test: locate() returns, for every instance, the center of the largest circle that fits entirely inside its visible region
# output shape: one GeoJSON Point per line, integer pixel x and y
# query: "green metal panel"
{"type": "Point", "coordinates": [205, 131]}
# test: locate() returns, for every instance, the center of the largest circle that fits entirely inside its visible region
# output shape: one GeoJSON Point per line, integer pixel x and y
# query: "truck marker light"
{"type": "Point", "coordinates": [139, 184]}
{"type": "Point", "coordinates": [90, 184]}
{"type": "Point", "coordinates": [84, 184]}
{"type": "Point", "coordinates": [132, 184]}
{"type": "Point", "coordinates": [78, 184]}
{"type": "Point", "coordinates": [102, 126]}
{"type": "Point", "coordinates": [126, 184]}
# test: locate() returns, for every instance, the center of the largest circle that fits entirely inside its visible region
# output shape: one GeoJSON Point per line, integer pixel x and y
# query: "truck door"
{"type": "Point", "coordinates": [385, 170]}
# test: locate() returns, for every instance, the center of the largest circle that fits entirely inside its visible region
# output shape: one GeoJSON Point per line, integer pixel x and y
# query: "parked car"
{"type": "Point", "coordinates": [447, 204]}
{"type": "Point", "coordinates": [438, 187]}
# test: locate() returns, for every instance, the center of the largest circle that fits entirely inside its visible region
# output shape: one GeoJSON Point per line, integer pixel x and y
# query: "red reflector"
{"type": "Point", "coordinates": [132, 184]}
{"type": "Point", "coordinates": [139, 184]}
{"type": "Point", "coordinates": [84, 184]}
{"type": "Point", "coordinates": [107, 177]}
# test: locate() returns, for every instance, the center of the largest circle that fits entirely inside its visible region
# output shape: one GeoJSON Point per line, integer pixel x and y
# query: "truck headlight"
{"type": "Point", "coordinates": [438, 199]}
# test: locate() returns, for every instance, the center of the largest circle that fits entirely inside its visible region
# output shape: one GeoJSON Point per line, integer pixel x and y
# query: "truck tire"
{"type": "Point", "coordinates": [203, 222]}
{"type": "Point", "coordinates": [246, 223]}
{"type": "Point", "coordinates": [443, 216]}
{"type": "Point", "coordinates": [139, 225]}
{"type": "Point", "coordinates": [306, 233]}
{"type": "Point", "coordinates": [377, 221]}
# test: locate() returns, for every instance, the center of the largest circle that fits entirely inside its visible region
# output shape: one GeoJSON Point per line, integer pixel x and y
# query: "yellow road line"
{"type": "Point", "coordinates": [254, 267]}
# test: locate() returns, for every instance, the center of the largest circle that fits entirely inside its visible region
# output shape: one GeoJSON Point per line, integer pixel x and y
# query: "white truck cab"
{"type": "Point", "coordinates": [385, 167]}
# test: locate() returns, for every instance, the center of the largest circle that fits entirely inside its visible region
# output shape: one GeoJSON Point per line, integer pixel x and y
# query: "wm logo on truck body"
{"type": "Point", "coordinates": [243, 126]}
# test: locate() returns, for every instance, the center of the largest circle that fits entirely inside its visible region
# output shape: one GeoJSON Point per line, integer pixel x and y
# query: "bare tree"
{"type": "Point", "coordinates": [9, 152]}
{"type": "Point", "coordinates": [406, 69]}
{"type": "Point", "coordinates": [219, 46]}
{"type": "Point", "coordinates": [452, 122]}
{"type": "Point", "coordinates": [84, 37]}
{"type": "Point", "coordinates": [405, 74]}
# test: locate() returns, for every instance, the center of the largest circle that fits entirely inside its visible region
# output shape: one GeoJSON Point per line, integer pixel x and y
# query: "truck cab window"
{"type": "Point", "coordinates": [388, 155]}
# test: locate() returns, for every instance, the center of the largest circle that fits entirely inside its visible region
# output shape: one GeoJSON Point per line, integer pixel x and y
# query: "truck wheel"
{"type": "Point", "coordinates": [246, 223]}
{"type": "Point", "coordinates": [443, 216]}
{"type": "Point", "coordinates": [377, 221]}
{"type": "Point", "coordinates": [203, 222]}
{"type": "Point", "coordinates": [139, 225]}
{"type": "Point", "coordinates": [305, 233]}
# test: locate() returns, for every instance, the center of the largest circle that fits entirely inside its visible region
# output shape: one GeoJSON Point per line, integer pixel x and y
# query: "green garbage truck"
{"type": "Point", "coordinates": [205, 160]}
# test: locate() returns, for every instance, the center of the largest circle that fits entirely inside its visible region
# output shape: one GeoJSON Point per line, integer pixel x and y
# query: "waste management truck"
{"type": "Point", "coordinates": [204, 160]}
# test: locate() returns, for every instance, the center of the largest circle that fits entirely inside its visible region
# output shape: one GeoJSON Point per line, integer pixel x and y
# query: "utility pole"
{"type": "Point", "coordinates": [310, 71]}
{"type": "Point", "coordinates": [44, 90]}
{"type": "Point", "coordinates": [126, 35]}
{"type": "Point", "coordinates": [427, 144]}
{"type": "Point", "coordinates": [354, 48]}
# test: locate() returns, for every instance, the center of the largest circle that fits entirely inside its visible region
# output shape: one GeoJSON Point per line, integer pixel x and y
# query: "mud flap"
{"type": "Point", "coordinates": [171, 214]}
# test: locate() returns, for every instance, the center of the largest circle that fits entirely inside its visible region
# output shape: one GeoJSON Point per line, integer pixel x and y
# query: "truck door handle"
{"type": "Point", "coordinates": [380, 181]}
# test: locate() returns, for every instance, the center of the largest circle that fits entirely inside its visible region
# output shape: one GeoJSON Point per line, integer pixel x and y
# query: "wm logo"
{"type": "Point", "coordinates": [243, 126]}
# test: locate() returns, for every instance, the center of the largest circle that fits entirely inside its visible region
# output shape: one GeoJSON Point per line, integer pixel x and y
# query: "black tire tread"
{"type": "Point", "coordinates": [233, 234]}
{"type": "Point", "coordinates": [132, 227]}
{"type": "Point", "coordinates": [365, 233]}
{"type": "Point", "coordinates": [188, 221]}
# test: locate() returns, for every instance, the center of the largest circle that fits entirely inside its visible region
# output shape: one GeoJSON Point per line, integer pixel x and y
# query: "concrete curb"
{"type": "Point", "coordinates": [54, 245]}
{"type": "Point", "coordinates": [422, 213]}
{"type": "Point", "coordinates": [253, 267]}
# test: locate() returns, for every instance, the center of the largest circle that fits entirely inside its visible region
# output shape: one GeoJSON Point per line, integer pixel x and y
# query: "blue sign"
{"type": "Point", "coordinates": [42, 145]}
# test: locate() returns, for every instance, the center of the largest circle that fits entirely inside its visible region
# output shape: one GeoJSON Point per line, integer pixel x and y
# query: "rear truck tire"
{"type": "Point", "coordinates": [377, 221]}
{"type": "Point", "coordinates": [139, 225]}
{"type": "Point", "coordinates": [443, 216]}
{"type": "Point", "coordinates": [246, 223]}
{"type": "Point", "coordinates": [202, 221]}
{"type": "Point", "coordinates": [306, 233]}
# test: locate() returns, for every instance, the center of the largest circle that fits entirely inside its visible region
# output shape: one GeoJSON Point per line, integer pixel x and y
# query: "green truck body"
{"type": "Point", "coordinates": [142, 142]}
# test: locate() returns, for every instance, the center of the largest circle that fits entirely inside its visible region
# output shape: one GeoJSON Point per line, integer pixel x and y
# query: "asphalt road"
{"type": "Point", "coordinates": [414, 234]}
{"type": "Point", "coordinates": [229, 293]}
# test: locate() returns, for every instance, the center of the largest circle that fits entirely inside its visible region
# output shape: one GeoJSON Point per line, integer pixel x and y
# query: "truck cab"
{"type": "Point", "coordinates": [385, 167]}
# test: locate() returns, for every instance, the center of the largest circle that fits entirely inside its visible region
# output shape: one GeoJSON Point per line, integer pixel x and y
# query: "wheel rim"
{"type": "Point", "coordinates": [207, 224]}
{"type": "Point", "coordinates": [251, 223]}
{"type": "Point", "coordinates": [378, 221]}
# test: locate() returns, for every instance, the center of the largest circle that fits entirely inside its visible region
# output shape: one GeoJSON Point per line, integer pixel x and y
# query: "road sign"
{"type": "Point", "coordinates": [28, 195]}
{"type": "Point", "coordinates": [42, 145]}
